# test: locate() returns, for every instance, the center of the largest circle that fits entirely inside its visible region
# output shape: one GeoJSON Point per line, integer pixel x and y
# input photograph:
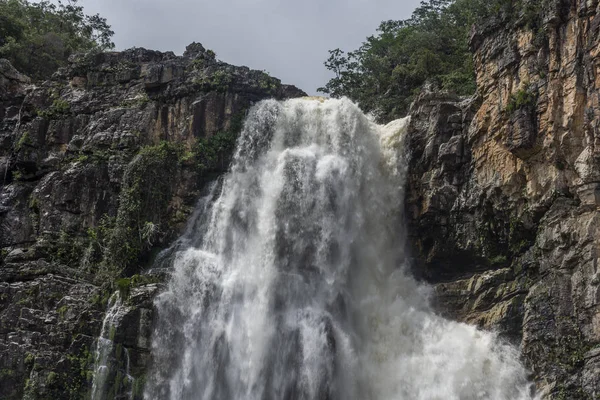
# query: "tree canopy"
{"type": "Point", "coordinates": [38, 38]}
{"type": "Point", "coordinates": [384, 73]}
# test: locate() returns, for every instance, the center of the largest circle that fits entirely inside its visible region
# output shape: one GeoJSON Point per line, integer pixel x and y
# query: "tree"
{"type": "Point", "coordinates": [38, 38]}
{"type": "Point", "coordinates": [387, 70]}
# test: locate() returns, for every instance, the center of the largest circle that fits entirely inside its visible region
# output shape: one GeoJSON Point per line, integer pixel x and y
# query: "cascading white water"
{"type": "Point", "coordinates": [109, 357]}
{"type": "Point", "coordinates": [298, 285]}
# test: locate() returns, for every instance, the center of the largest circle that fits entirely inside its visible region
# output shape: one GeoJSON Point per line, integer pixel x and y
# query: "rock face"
{"type": "Point", "coordinates": [504, 194]}
{"type": "Point", "coordinates": [101, 166]}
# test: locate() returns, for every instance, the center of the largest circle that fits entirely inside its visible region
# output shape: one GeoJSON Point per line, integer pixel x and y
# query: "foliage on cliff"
{"type": "Point", "coordinates": [37, 38]}
{"type": "Point", "coordinates": [386, 71]}
{"type": "Point", "coordinates": [147, 190]}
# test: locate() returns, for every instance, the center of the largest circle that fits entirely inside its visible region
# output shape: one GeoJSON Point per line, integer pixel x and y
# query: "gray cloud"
{"type": "Point", "coordinates": [289, 39]}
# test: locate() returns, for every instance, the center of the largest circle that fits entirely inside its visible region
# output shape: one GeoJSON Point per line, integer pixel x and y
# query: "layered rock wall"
{"type": "Point", "coordinates": [100, 167]}
{"type": "Point", "coordinates": [504, 194]}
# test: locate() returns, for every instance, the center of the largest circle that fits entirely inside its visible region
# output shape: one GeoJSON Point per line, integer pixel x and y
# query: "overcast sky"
{"type": "Point", "coordinates": [289, 39]}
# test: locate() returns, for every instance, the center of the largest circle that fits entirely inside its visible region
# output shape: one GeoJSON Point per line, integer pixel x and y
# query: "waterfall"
{"type": "Point", "coordinates": [111, 362]}
{"type": "Point", "coordinates": [297, 284]}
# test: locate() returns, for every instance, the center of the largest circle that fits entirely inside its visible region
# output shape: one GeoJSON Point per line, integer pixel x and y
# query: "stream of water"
{"type": "Point", "coordinates": [296, 285]}
{"type": "Point", "coordinates": [111, 363]}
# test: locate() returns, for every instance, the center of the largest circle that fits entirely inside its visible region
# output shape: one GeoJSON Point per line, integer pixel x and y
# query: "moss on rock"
{"type": "Point", "coordinates": [147, 190]}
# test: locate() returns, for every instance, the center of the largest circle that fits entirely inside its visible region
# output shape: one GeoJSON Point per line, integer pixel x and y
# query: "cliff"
{"type": "Point", "coordinates": [101, 167]}
{"type": "Point", "coordinates": [504, 193]}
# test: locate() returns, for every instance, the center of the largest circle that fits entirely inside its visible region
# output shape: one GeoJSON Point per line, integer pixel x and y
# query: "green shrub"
{"type": "Point", "coordinates": [17, 175]}
{"type": "Point", "coordinates": [211, 153]}
{"type": "Point", "coordinates": [67, 249]}
{"type": "Point", "coordinates": [197, 64]}
{"type": "Point", "coordinates": [58, 109]}
{"type": "Point", "coordinates": [145, 195]}
{"type": "Point", "coordinates": [124, 285]}
{"type": "Point", "coordinates": [51, 378]}
{"type": "Point", "coordinates": [220, 80]}
{"type": "Point", "coordinates": [266, 82]}
{"type": "Point", "coordinates": [38, 37]}
{"type": "Point", "coordinates": [24, 140]}
{"type": "Point", "coordinates": [498, 261]}
{"type": "Point", "coordinates": [522, 98]}
{"type": "Point", "coordinates": [62, 311]}
{"type": "Point", "coordinates": [29, 359]}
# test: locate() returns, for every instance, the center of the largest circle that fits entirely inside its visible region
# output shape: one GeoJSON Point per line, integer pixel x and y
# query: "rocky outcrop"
{"type": "Point", "coordinates": [504, 193]}
{"type": "Point", "coordinates": [100, 167]}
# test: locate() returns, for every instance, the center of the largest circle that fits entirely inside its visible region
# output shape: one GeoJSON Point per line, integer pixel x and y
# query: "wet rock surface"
{"type": "Point", "coordinates": [107, 158]}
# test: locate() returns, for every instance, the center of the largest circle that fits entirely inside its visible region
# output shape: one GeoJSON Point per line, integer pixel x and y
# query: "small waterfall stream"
{"type": "Point", "coordinates": [112, 364]}
{"type": "Point", "coordinates": [296, 285]}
